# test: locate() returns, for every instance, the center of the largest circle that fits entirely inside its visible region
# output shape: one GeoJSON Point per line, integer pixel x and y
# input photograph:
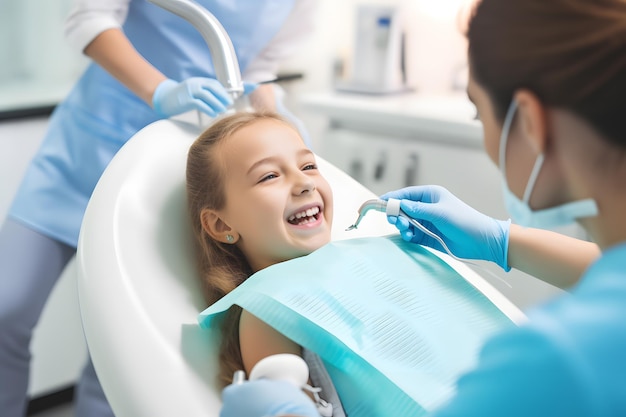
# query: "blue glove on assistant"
{"type": "Point", "coordinates": [266, 398]}
{"type": "Point", "coordinates": [468, 233]}
{"type": "Point", "coordinates": [197, 93]}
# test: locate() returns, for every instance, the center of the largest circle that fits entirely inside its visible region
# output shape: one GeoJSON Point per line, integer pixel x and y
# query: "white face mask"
{"type": "Point", "coordinates": [520, 211]}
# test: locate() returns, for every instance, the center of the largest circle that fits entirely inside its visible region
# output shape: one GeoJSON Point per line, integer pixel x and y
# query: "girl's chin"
{"type": "Point", "coordinates": [310, 247]}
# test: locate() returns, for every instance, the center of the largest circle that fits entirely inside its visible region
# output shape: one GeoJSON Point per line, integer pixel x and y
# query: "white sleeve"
{"type": "Point", "coordinates": [299, 24]}
{"type": "Point", "coordinates": [89, 18]}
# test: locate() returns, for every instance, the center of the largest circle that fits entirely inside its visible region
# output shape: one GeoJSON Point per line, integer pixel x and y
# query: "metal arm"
{"type": "Point", "coordinates": [220, 46]}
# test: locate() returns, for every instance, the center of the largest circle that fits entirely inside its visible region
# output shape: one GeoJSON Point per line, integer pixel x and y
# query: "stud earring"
{"type": "Point", "coordinates": [230, 238]}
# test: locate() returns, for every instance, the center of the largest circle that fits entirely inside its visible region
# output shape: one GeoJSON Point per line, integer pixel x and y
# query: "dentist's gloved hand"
{"type": "Point", "coordinates": [468, 233]}
{"type": "Point", "coordinates": [207, 95]}
{"type": "Point", "coordinates": [266, 398]}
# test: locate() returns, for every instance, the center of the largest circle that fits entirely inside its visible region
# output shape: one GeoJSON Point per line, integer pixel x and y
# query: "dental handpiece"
{"type": "Point", "coordinates": [391, 207]}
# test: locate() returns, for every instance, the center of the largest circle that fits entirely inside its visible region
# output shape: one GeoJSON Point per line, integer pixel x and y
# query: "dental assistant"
{"type": "Point", "coordinates": [148, 64]}
{"type": "Point", "coordinates": [549, 81]}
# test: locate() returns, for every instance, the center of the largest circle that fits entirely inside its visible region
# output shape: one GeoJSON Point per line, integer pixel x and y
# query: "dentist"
{"type": "Point", "coordinates": [148, 64]}
{"type": "Point", "coordinates": [549, 81]}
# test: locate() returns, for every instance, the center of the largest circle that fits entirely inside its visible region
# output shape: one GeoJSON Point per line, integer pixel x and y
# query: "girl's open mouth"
{"type": "Point", "coordinates": [304, 217]}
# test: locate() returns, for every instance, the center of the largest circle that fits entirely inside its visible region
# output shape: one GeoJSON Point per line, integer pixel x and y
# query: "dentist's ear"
{"type": "Point", "coordinates": [531, 114]}
{"type": "Point", "coordinates": [217, 228]}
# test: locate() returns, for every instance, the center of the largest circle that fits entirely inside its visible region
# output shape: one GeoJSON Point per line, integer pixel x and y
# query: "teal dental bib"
{"type": "Point", "coordinates": [393, 323]}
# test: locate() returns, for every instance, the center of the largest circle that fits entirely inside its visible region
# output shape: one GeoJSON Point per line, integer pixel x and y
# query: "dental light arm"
{"type": "Point", "coordinates": [220, 46]}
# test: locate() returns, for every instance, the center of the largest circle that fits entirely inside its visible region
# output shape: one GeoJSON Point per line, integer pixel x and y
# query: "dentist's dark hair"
{"type": "Point", "coordinates": [570, 53]}
{"type": "Point", "coordinates": [221, 266]}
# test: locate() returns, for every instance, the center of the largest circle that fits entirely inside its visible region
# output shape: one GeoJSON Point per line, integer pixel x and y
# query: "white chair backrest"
{"type": "Point", "coordinates": [138, 290]}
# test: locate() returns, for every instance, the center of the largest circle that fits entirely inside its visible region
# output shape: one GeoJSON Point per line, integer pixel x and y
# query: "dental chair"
{"type": "Point", "coordinates": [138, 291]}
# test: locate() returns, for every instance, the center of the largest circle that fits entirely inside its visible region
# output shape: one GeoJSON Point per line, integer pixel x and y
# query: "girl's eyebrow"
{"type": "Point", "coordinates": [305, 152]}
{"type": "Point", "coordinates": [270, 159]}
{"type": "Point", "coordinates": [267, 160]}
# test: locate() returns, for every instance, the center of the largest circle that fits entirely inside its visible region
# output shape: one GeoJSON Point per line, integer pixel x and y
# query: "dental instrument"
{"type": "Point", "coordinates": [378, 205]}
{"type": "Point", "coordinates": [391, 207]}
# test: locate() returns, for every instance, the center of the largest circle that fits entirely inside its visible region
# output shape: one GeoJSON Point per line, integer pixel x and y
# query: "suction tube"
{"type": "Point", "coordinates": [220, 46]}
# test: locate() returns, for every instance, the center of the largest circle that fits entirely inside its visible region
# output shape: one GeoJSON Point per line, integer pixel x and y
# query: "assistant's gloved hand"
{"type": "Point", "coordinates": [467, 232]}
{"type": "Point", "coordinates": [207, 95]}
{"type": "Point", "coordinates": [266, 398]}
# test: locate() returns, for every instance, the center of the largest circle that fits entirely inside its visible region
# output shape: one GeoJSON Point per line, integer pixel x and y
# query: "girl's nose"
{"type": "Point", "coordinates": [303, 184]}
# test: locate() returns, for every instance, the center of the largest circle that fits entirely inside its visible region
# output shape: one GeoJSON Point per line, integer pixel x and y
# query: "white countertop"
{"type": "Point", "coordinates": [447, 117]}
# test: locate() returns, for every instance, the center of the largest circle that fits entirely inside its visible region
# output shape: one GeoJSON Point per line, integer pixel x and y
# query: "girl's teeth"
{"type": "Point", "coordinates": [307, 213]}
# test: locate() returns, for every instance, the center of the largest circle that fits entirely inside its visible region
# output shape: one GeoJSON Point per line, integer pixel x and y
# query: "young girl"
{"type": "Point", "coordinates": [256, 198]}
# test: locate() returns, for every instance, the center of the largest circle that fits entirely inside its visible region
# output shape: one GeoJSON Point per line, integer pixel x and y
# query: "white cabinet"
{"type": "Point", "coordinates": [395, 141]}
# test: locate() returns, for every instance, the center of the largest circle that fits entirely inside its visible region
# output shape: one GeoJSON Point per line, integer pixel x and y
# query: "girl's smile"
{"type": "Point", "coordinates": [307, 217]}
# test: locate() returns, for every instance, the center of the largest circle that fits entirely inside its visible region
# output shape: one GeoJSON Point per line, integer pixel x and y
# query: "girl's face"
{"type": "Point", "coordinates": [278, 205]}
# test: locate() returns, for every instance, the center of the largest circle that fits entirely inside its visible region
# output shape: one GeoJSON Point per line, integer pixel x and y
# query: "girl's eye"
{"type": "Point", "coordinates": [309, 166]}
{"type": "Point", "coordinates": [268, 177]}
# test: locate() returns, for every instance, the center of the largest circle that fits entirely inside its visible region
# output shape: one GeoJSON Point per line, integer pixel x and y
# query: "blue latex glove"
{"type": "Point", "coordinates": [197, 93]}
{"type": "Point", "coordinates": [266, 398]}
{"type": "Point", "coordinates": [468, 233]}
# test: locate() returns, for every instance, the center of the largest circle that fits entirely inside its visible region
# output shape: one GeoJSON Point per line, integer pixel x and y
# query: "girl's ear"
{"type": "Point", "coordinates": [532, 119]}
{"type": "Point", "coordinates": [217, 228]}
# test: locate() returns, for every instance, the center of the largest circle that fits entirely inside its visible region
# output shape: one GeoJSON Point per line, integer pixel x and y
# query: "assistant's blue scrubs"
{"type": "Point", "coordinates": [569, 360]}
{"type": "Point", "coordinates": [85, 131]}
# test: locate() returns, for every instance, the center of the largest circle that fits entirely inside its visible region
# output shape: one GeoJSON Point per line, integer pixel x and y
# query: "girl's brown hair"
{"type": "Point", "coordinates": [222, 267]}
{"type": "Point", "coordinates": [570, 53]}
